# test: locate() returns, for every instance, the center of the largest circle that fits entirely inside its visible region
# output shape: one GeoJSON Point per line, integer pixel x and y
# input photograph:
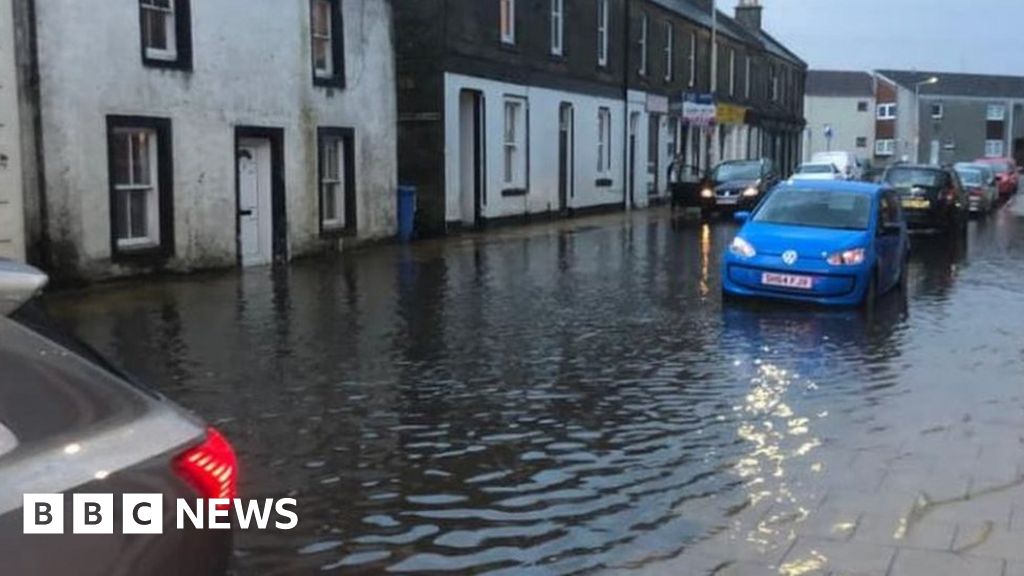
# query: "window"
{"type": "Point", "coordinates": [862, 106]}
{"type": "Point", "coordinates": [732, 72]}
{"type": "Point", "coordinates": [937, 111]}
{"type": "Point", "coordinates": [693, 59]}
{"type": "Point", "coordinates": [643, 45]}
{"type": "Point", "coordinates": [327, 45]}
{"type": "Point", "coordinates": [165, 26]}
{"type": "Point", "coordinates": [885, 147]}
{"type": "Point", "coordinates": [993, 148]}
{"type": "Point", "coordinates": [746, 79]}
{"type": "Point", "coordinates": [773, 73]}
{"type": "Point", "coordinates": [557, 27]}
{"type": "Point", "coordinates": [337, 180]}
{"type": "Point", "coordinates": [602, 32]}
{"type": "Point", "coordinates": [514, 142]}
{"type": "Point", "coordinates": [604, 139]}
{"type": "Point", "coordinates": [995, 113]}
{"type": "Point", "coordinates": [887, 111]}
{"type": "Point", "coordinates": [862, 142]}
{"type": "Point", "coordinates": [140, 185]}
{"type": "Point", "coordinates": [670, 47]}
{"type": "Point", "coordinates": [508, 21]}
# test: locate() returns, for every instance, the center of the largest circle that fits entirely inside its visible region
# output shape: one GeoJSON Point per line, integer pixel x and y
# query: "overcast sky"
{"type": "Point", "coordinates": [976, 36]}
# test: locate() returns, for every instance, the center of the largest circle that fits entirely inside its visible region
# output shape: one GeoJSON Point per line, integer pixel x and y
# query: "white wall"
{"type": "Point", "coordinates": [543, 110]}
{"type": "Point", "coordinates": [12, 235]}
{"type": "Point", "coordinates": [251, 67]}
{"type": "Point", "coordinates": [847, 124]}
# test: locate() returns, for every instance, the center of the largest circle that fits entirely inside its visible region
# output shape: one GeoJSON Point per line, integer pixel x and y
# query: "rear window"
{"type": "Point", "coordinates": [914, 178]}
{"type": "Point", "coordinates": [971, 177]}
{"type": "Point", "coordinates": [816, 169]}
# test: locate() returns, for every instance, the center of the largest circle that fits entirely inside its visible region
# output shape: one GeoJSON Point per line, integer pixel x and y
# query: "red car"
{"type": "Point", "coordinates": [1007, 178]}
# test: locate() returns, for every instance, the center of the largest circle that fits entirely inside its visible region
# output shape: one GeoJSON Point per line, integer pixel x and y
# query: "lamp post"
{"type": "Point", "coordinates": [917, 114]}
{"type": "Point", "coordinates": [712, 138]}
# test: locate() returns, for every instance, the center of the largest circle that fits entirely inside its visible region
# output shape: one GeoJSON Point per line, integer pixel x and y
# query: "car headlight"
{"type": "Point", "coordinates": [751, 192]}
{"type": "Point", "coordinates": [852, 257]}
{"type": "Point", "coordinates": [741, 247]}
{"type": "Point", "coordinates": [707, 193]}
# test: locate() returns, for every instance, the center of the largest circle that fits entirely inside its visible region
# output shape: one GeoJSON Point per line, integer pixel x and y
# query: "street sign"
{"type": "Point", "coordinates": [699, 109]}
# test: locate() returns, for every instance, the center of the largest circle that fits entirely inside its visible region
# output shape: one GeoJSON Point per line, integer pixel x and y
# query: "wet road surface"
{"type": "Point", "coordinates": [574, 397]}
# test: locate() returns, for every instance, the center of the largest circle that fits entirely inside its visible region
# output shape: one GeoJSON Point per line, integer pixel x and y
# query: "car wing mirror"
{"type": "Point", "coordinates": [741, 216]}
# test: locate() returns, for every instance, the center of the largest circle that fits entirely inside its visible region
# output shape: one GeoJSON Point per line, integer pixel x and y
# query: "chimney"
{"type": "Point", "coordinates": [748, 13]}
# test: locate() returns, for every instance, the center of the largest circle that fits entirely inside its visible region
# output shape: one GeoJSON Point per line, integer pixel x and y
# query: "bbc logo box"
{"type": "Point", "coordinates": [93, 514]}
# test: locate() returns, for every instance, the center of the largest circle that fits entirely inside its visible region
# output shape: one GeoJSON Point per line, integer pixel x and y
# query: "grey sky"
{"type": "Point", "coordinates": [979, 36]}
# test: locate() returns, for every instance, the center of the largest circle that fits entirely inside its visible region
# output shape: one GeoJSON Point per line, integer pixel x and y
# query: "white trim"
{"type": "Point", "coordinates": [995, 112]}
{"type": "Point", "coordinates": [602, 33]}
{"type": "Point", "coordinates": [338, 181]}
{"type": "Point", "coordinates": [732, 71]}
{"type": "Point", "coordinates": [886, 111]}
{"type": "Point", "coordinates": [693, 59]}
{"type": "Point", "coordinates": [327, 71]}
{"type": "Point", "coordinates": [644, 23]}
{"type": "Point", "coordinates": [604, 141]}
{"type": "Point", "coordinates": [514, 137]}
{"type": "Point", "coordinates": [507, 20]}
{"type": "Point", "coordinates": [670, 48]}
{"type": "Point", "coordinates": [170, 53]}
{"type": "Point", "coordinates": [151, 188]}
{"type": "Point", "coordinates": [994, 149]}
{"type": "Point", "coordinates": [746, 84]}
{"type": "Point", "coordinates": [557, 27]}
{"type": "Point", "coordinates": [885, 147]}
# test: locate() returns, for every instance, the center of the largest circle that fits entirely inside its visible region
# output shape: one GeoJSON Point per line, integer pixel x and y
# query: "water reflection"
{"type": "Point", "coordinates": [559, 401]}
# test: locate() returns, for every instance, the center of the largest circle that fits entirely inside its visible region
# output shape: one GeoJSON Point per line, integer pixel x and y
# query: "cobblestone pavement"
{"type": "Point", "coordinates": [573, 398]}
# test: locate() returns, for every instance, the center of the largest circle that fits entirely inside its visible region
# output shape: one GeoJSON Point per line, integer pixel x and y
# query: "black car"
{"type": "Point", "coordinates": [932, 196]}
{"type": "Point", "coordinates": [736, 185]}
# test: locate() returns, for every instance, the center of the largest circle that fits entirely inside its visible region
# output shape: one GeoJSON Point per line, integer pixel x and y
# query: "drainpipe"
{"type": "Point", "coordinates": [626, 202]}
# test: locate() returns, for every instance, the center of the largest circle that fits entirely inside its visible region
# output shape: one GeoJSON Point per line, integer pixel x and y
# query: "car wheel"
{"type": "Point", "coordinates": [871, 294]}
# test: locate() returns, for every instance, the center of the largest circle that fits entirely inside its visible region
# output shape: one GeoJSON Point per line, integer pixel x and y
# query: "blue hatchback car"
{"type": "Point", "coordinates": [834, 243]}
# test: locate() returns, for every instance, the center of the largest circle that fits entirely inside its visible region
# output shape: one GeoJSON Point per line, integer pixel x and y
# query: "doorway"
{"type": "Point", "coordinates": [471, 157]}
{"type": "Point", "coordinates": [634, 128]}
{"type": "Point", "coordinates": [259, 176]}
{"type": "Point", "coordinates": [653, 153]}
{"type": "Point", "coordinates": [566, 156]}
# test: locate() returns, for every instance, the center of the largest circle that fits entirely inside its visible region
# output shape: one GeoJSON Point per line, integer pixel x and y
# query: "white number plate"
{"type": "Point", "coordinates": [787, 281]}
{"type": "Point", "coordinates": [728, 200]}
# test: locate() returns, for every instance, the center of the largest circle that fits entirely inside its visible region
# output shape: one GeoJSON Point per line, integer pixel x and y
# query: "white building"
{"type": "Point", "coordinates": [183, 134]}
{"type": "Point", "coordinates": [840, 110]}
{"type": "Point", "coordinates": [12, 234]}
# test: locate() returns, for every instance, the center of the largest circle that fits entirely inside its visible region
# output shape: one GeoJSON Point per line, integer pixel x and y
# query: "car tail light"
{"type": "Point", "coordinates": [211, 467]}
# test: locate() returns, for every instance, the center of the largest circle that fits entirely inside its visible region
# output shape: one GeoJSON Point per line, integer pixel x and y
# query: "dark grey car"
{"type": "Point", "coordinates": [70, 423]}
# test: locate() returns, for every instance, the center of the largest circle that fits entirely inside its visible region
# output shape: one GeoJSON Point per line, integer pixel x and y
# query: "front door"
{"type": "Point", "coordinates": [471, 155]}
{"type": "Point", "coordinates": [255, 212]}
{"type": "Point", "coordinates": [653, 153]}
{"type": "Point", "coordinates": [634, 128]}
{"type": "Point", "coordinates": [565, 156]}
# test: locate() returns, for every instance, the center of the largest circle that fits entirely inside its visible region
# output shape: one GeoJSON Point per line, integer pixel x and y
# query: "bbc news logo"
{"type": "Point", "coordinates": [144, 514]}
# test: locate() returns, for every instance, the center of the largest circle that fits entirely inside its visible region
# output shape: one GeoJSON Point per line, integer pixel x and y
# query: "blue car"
{"type": "Point", "coordinates": [833, 243]}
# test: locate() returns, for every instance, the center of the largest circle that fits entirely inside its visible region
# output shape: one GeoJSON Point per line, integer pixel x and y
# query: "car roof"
{"type": "Point", "coordinates": [835, 186]}
{"type": "Point", "coordinates": [909, 166]}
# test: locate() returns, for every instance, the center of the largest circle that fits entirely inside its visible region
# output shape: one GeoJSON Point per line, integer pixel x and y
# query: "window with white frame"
{"type": "Point", "coordinates": [134, 161]}
{"type": "Point", "coordinates": [332, 182]}
{"type": "Point", "coordinates": [322, 31]}
{"type": "Point", "coordinates": [514, 143]}
{"type": "Point", "coordinates": [994, 148]}
{"type": "Point", "coordinates": [602, 32]}
{"type": "Point", "coordinates": [158, 29]}
{"type": "Point", "coordinates": [693, 59]}
{"type": "Point", "coordinates": [732, 72]}
{"type": "Point", "coordinates": [746, 79]}
{"type": "Point", "coordinates": [885, 147]}
{"type": "Point", "coordinates": [557, 27]}
{"type": "Point", "coordinates": [937, 110]}
{"type": "Point", "coordinates": [670, 47]}
{"type": "Point", "coordinates": [995, 113]}
{"type": "Point", "coordinates": [643, 45]}
{"type": "Point", "coordinates": [508, 21]}
{"type": "Point", "coordinates": [604, 141]}
{"type": "Point", "coordinates": [887, 111]}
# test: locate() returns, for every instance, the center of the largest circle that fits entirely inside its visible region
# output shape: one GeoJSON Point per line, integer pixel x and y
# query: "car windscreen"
{"type": "Point", "coordinates": [816, 169]}
{"type": "Point", "coordinates": [913, 178]}
{"type": "Point", "coordinates": [971, 177]}
{"type": "Point", "coordinates": [816, 209]}
{"type": "Point", "coordinates": [737, 171]}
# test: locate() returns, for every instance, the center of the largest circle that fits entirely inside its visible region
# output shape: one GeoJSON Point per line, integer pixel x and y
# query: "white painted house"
{"type": "Point", "coordinates": [840, 108]}
{"type": "Point", "coordinates": [187, 134]}
{"type": "Point", "coordinates": [12, 230]}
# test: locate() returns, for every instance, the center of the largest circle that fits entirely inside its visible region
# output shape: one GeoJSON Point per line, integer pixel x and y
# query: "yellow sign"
{"type": "Point", "coordinates": [731, 114]}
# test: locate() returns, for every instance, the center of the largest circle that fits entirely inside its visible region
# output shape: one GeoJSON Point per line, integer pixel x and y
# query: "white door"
{"type": "Point", "coordinates": [933, 157]}
{"type": "Point", "coordinates": [255, 219]}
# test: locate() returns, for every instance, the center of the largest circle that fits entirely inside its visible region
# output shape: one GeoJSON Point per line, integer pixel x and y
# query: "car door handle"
{"type": "Point", "coordinates": [245, 212]}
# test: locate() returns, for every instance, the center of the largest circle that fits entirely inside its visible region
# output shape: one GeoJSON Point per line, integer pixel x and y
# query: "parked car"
{"type": "Point", "coordinates": [72, 423]}
{"type": "Point", "coordinates": [1007, 175]}
{"type": "Point", "coordinates": [932, 196]}
{"type": "Point", "coordinates": [817, 171]}
{"type": "Point", "coordinates": [847, 163]}
{"type": "Point", "coordinates": [685, 182]}
{"type": "Point", "coordinates": [836, 243]}
{"type": "Point", "coordinates": [736, 185]}
{"type": "Point", "coordinates": [980, 182]}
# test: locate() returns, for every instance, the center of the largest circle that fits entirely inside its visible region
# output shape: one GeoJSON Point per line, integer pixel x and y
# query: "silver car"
{"type": "Point", "coordinates": [72, 424]}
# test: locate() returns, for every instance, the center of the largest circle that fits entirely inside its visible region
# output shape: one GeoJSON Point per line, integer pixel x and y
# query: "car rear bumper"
{"type": "Point", "coordinates": [830, 288]}
{"type": "Point", "coordinates": [732, 204]}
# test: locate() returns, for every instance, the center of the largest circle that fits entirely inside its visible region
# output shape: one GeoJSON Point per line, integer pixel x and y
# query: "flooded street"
{"type": "Point", "coordinates": [573, 397]}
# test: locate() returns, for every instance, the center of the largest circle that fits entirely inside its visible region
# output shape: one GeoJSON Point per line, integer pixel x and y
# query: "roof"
{"type": "Point", "coordinates": [956, 84]}
{"type": "Point", "coordinates": [839, 83]}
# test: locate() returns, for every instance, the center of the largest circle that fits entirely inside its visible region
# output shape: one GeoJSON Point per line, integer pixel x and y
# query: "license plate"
{"type": "Point", "coordinates": [787, 281]}
{"type": "Point", "coordinates": [728, 200]}
{"type": "Point", "coordinates": [917, 204]}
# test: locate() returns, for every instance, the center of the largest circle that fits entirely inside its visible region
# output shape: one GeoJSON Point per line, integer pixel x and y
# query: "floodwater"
{"type": "Point", "coordinates": [560, 398]}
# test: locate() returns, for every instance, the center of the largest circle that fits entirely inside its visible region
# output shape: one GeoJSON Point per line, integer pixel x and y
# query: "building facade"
{"type": "Point", "coordinates": [840, 109]}
{"type": "Point", "coordinates": [506, 110]}
{"type": "Point", "coordinates": [12, 228]}
{"type": "Point", "coordinates": [193, 134]}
